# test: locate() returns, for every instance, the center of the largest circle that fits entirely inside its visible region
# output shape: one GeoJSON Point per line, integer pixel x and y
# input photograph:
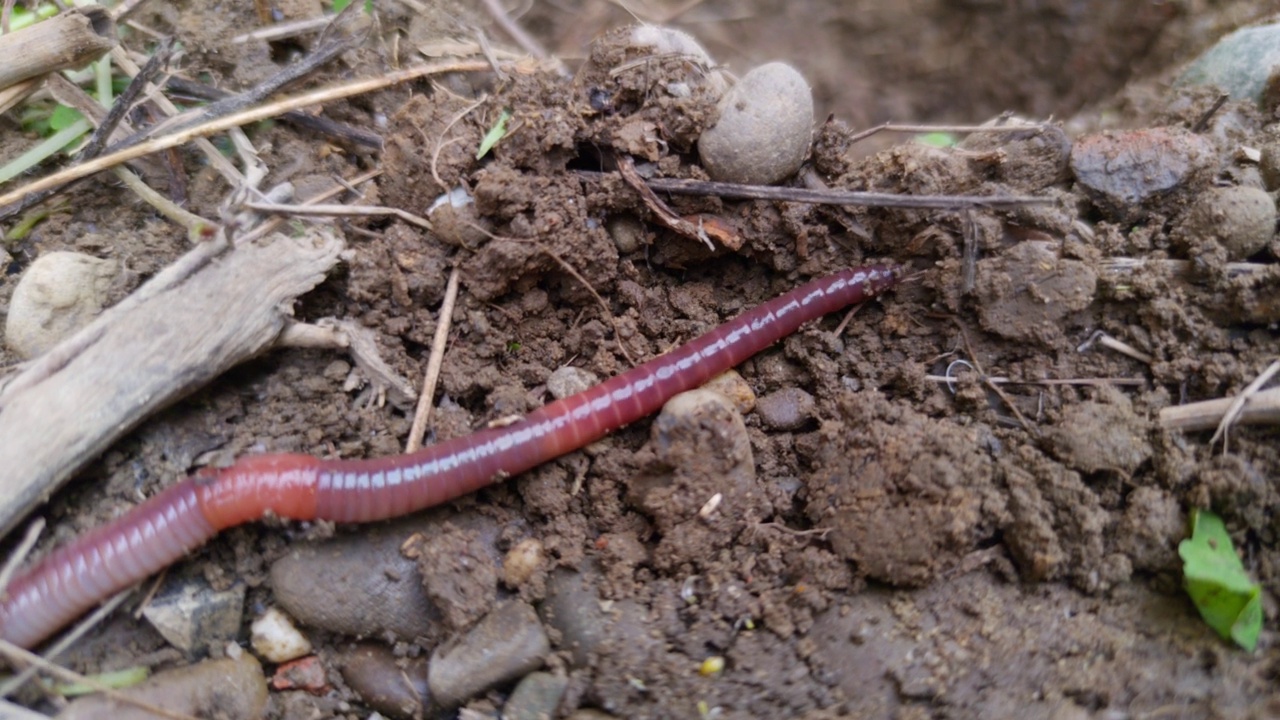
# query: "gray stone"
{"type": "Point", "coordinates": [358, 584]}
{"type": "Point", "coordinates": [508, 643]}
{"type": "Point", "coordinates": [536, 697]}
{"type": "Point", "coordinates": [764, 129]}
{"type": "Point", "coordinates": [569, 380]}
{"type": "Point", "coordinates": [786, 409]}
{"type": "Point", "coordinates": [194, 617]}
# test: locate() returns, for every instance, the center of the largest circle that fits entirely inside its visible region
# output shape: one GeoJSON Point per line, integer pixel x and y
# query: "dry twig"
{"type": "Point", "coordinates": [434, 361]}
{"type": "Point", "coordinates": [244, 117]}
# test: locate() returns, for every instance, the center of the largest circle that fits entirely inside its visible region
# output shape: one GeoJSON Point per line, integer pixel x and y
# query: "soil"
{"type": "Point", "coordinates": [917, 548]}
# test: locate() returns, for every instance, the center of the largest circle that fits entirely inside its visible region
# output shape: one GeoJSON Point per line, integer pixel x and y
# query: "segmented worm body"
{"type": "Point", "coordinates": [161, 530]}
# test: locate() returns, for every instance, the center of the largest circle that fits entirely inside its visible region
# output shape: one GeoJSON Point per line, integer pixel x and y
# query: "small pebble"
{"type": "Point", "coordinates": [454, 219]}
{"type": "Point", "coordinates": [194, 617]}
{"type": "Point", "coordinates": [764, 129]}
{"type": "Point", "coordinates": [573, 608]}
{"type": "Point", "coordinates": [59, 294]}
{"type": "Point", "coordinates": [508, 643]}
{"type": "Point", "coordinates": [732, 385]}
{"type": "Point", "coordinates": [304, 674]}
{"type": "Point", "coordinates": [536, 696]}
{"type": "Point", "coordinates": [275, 639]}
{"type": "Point", "coordinates": [234, 686]}
{"type": "Point", "coordinates": [1242, 219]}
{"type": "Point", "coordinates": [627, 232]}
{"type": "Point", "coordinates": [1128, 173]}
{"type": "Point", "coordinates": [521, 562]}
{"type": "Point", "coordinates": [786, 409]}
{"type": "Point", "coordinates": [395, 687]}
{"type": "Point", "coordinates": [358, 584]}
{"type": "Point", "coordinates": [569, 380]}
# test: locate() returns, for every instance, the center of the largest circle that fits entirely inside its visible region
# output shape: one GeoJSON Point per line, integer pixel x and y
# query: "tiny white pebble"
{"type": "Point", "coordinates": [274, 637]}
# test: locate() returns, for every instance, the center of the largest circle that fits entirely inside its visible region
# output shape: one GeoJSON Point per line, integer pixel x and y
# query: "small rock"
{"type": "Point", "coordinates": [627, 232]}
{"type": "Point", "coordinates": [786, 409]}
{"type": "Point", "coordinates": [573, 608]}
{"type": "Point", "coordinates": [59, 294]}
{"type": "Point", "coordinates": [508, 643]}
{"type": "Point", "coordinates": [194, 617]}
{"type": "Point", "coordinates": [732, 385]}
{"type": "Point", "coordinates": [521, 562]}
{"type": "Point", "coordinates": [765, 125]}
{"type": "Point", "coordinates": [569, 380]}
{"type": "Point", "coordinates": [232, 688]}
{"type": "Point", "coordinates": [1242, 219]}
{"type": "Point", "coordinates": [304, 674]}
{"type": "Point", "coordinates": [1240, 63]}
{"type": "Point", "coordinates": [536, 697]}
{"type": "Point", "coordinates": [454, 219]}
{"type": "Point", "coordinates": [396, 687]}
{"type": "Point", "coordinates": [274, 637]}
{"type": "Point", "coordinates": [1129, 173]}
{"type": "Point", "coordinates": [358, 584]}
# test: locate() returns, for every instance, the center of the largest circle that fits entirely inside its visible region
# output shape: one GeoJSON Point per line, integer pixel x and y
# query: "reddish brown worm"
{"type": "Point", "coordinates": [161, 530]}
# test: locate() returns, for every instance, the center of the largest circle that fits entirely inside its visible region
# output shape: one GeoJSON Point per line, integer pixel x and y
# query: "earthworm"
{"type": "Point", "coordinates": [161, 530]}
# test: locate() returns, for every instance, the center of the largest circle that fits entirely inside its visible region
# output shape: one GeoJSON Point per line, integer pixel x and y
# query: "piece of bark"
{"type": "Point", "coordinates": [70, 40]}
{"type": "Point", "coordinates": [213, 308]}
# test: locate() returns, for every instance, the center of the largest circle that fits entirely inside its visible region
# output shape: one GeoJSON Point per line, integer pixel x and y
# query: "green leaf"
{"type": "Point", "coordinates": [63, 117]}
{"type": "Point", "coordinates": [496, 133]}
{"type": "Point", "coordinates": [1217, 582]}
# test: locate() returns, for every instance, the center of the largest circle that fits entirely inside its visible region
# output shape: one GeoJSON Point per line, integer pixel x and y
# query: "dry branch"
{"type": "Point", "coordinates": [174, 334]}
{"type": "Point", "coordinates": [63, 42]}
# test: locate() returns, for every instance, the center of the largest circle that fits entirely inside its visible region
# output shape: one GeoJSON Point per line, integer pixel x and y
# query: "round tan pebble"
{"type": "Point", "coordinates": [521, 562]}
{"type": "Point", "coordinates": [59, 294]}
{"type": "Point", "coordinates": [764, 130]}
{"type": "Point", "coordinates": [1242, 219]}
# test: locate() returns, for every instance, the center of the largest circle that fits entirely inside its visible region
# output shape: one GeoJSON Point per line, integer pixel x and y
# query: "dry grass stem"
{"type": "Point", "coordinates": [422, 414]}
{"type": "Point", "coordinates": [1101, 338]}
{"type": "Point", "coordinates": [1237, 404]}
{"type": "Point", "coordinates": [245, 117]}
{"type": "Point", "coordinates": [340, 210]}
{"type": "Point", "coordinates": [1262, 408]}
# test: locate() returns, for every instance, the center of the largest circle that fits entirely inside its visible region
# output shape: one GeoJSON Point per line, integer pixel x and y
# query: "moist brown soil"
{"type": "Point", "coordinates": [920, 548]}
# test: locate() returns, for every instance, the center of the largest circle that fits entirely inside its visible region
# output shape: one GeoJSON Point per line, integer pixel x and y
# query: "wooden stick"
{"type": "Point", "coordinates": [140, 356]}
{"type": "Point", "coordinates": [72, 39]}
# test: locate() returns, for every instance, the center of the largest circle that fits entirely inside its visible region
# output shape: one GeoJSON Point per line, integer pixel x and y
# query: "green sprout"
{"type": "Point", "coordinates": [115, 680]}
{"type": "Point", "coordinates": [496, 133]}
{"type": "Point", "coordinates": [1217, 582]}
{"type": "Point", "coordinates": [936, 139]}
